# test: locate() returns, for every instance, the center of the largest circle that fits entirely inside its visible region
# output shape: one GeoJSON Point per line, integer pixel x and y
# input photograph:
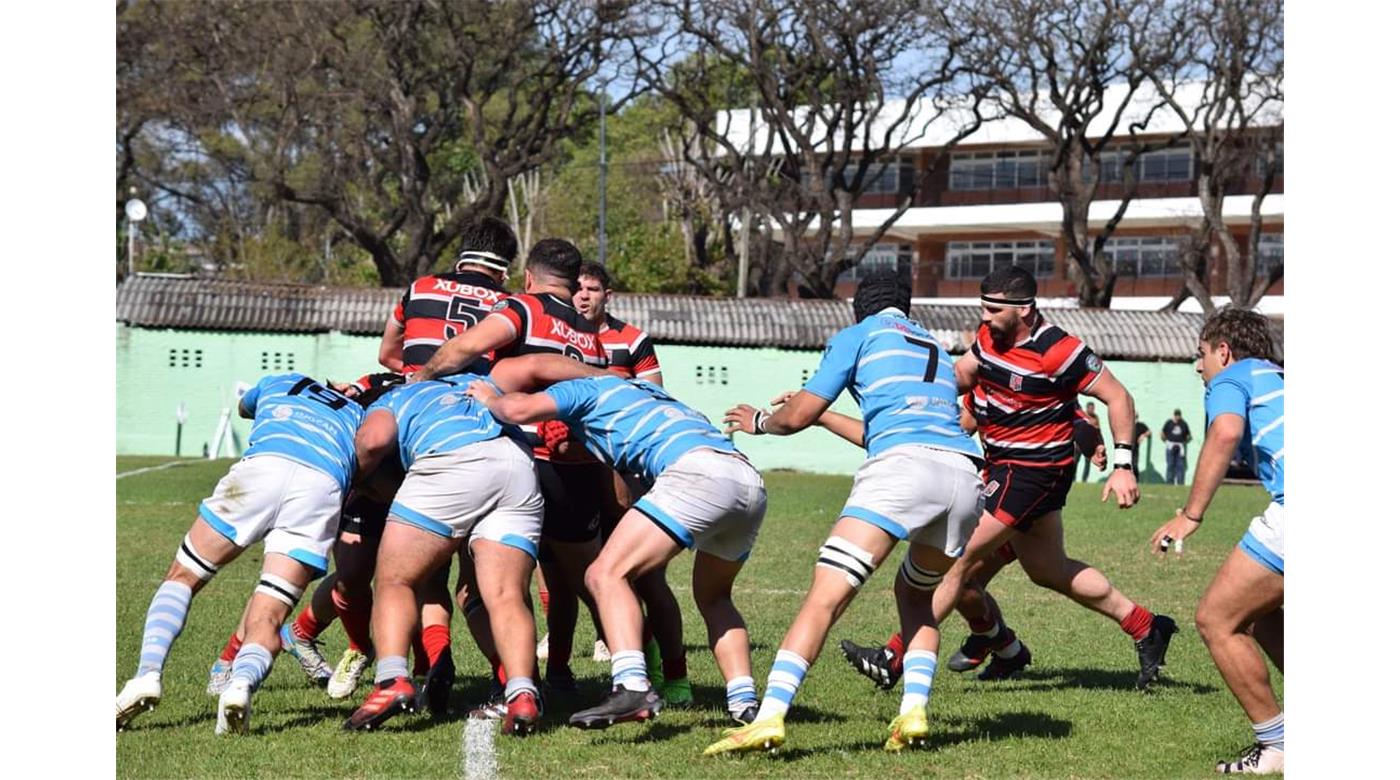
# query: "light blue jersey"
{"type": "Point", "coordinates": [633, 425]}
{"type": "Point", "coordinates": [437, 416]}
{"type": "Point", "coordinates": [298, 418]}
{"type": "Point", "coordinates": [902, 380]}
{"type": "Point", "coordinates": [1253, 389]}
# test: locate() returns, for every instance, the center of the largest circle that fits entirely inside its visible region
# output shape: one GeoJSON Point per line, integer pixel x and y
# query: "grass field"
{"type": "Point", "coordinates": [1074, 713]}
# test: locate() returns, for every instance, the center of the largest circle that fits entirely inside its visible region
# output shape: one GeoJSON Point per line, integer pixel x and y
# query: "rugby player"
{"type": "Point", "coordinates": [631, 354]}
{"type": "Point", "coordinates": [465, 481]}
{"type": "Point", "coordinates": [1031, 373]}
{"type": "Point", "coordinates": [285, 491]}
{"type": "Point", "coordinates": [1244, 401]}
{"type": "Point", "coordinates": [542, 320]}
{"type": "Point", "coordinates": [919, 483]}
{"type": "Point", "coordinates": [705, 495]}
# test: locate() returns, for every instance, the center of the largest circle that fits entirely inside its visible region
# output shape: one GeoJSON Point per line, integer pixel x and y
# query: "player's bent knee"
{"type": "Point", "coordinates": [191, 561]}
{"type": "Point", "coordinates": [280, 588]}
{"type": "Point", "coordinates": [917, 577]}
{"type": "Point", "coordinates": [848, 559]}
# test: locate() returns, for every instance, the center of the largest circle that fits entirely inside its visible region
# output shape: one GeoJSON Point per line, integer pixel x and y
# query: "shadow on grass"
{"type": "Point", "coordinates": [1054, 678]}
{"type": "Point", "coordinates": [949, 732]}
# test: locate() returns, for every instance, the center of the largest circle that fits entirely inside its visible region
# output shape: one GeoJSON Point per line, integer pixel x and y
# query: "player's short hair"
{"type": "Point", "coordinates": [596, 270]}
{"type": "Point", "coordinates": [379, 384]}
{"type": "Point", "coordinates": [490, 242]}
{"type": "Point", "coordinates": [1011, 281]}
{"type": "Point", "coordinates": [555, 257]}
{"type": "Point", "coordinates": [1245, 331]}
{"type": "Point", "coordinates": [881, 289]}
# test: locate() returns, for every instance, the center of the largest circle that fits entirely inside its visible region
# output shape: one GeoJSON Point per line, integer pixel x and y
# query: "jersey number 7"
{"type": "Point", "coordinates": [931, 368]}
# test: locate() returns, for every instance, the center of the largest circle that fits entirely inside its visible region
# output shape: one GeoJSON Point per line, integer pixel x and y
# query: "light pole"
{"type": "Point", "coordinates": [135, 213]}
{"type": "Point", "coordinates": [603, 175]}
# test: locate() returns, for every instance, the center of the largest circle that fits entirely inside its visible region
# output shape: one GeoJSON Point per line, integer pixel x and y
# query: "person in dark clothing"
{"type": "Point", "coordinates": [1177, 434]}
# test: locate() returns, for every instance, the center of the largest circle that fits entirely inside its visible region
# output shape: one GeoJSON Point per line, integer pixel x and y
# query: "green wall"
{"type": "Point", "coordinates": [159, 369]}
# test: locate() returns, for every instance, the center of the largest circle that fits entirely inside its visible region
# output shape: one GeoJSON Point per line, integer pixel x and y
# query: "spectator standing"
{"type": "Point", "coordinates": [1177, 434]}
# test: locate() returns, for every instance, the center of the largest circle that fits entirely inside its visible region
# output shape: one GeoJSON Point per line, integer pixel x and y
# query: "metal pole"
{"type": "Point", "coordinates": [130, 248]}
{"type": "Point", "coordinates": [603, 175]}
{"type": "Point", "coordinates": [747, 222]}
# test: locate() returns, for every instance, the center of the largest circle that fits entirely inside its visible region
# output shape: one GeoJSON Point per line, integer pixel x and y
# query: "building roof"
{"type": "Point", "coordinates": [204, 304]}
{"type": "Point", "coordinates": [1047, 217]}
{"type": "Point", "coordinates": [925, 127]}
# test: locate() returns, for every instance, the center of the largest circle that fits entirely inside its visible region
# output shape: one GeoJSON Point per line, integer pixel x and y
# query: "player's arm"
{"type": "Point", "coordinates": [965, 372]}
{"type": "Point", "coordinates": [460, 350]}
{"type": "Point", "coordinates": [801, 411]}
{"type": "Point", "coordinates": [248, 402]}
{"type": "Point", "coordinates": [1222, 439]}
{"type": "Point", "coordinates": [377, 437]}
{"type": "Point", "coordinates": [391, 346]}
{"type": "Point", "coordinates": [848, 428]}
{"type": "Point", "coordinates": [1121, 416]}
{"type": "Point", "coordinates": [645, 363]}
{"type": "Point", "coordinates": [515, 408]}
{"type": "Point", "coordinates": [529, 372]}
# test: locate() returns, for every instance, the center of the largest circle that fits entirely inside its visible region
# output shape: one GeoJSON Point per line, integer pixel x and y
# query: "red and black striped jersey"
{"type": "Point", "coordinates": [1031, 392]}
{"type": "Point", "coordinates": [544, 323]}
{"type": "Point", "coordinates": [629, 348]}
{"type": "Point", "coordinates": [436, 308]}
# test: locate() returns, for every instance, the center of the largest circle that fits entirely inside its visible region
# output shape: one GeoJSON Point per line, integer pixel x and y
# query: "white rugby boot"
{"type": "Point", "coordinates": [140, 694]}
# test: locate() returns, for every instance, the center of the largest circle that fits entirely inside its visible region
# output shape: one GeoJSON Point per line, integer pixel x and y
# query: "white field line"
{"type": "Point", "coordinates": [478, 749]}
{"type": "Point", "coordinates": [757, 591]}
{"type": "Point", "coordinates": [171, 464]}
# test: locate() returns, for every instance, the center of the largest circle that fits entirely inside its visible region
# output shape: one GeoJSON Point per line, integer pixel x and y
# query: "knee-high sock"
{"type": "Point", "coordinates": [165, 619]}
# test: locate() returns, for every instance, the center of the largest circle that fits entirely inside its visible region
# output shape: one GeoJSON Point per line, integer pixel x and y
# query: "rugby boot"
{"type": "Point", "coordinates": [1152, 649]}
{"type": "Point", "coordinates": [748, 715]}
{"type": "Point", "coordinates": [437, 685]}
{"type": "Point", "coordinates": [677, 693]}
{"type": "Point", "coordinates": [1004, 668]}
{"type": "Point", "coordinates": [767, 734]}
{"type": "Point", "coordinates": [219, 675]}
{"type": "Point", "coordinates": [140, 694]}
{"type": "Point", "coordinates": [347, 674]}
{"type": "Point", "coordinates": [522, 714]}
{"type": "Point", "coordinates": [877, 663]}
{"type": "Point", "coordinates": [308, 655]}
{"type": "Point", "coordinates": [976, 648]}
{"type": "Point", "coordinates": [1257, 759]}
{"type": "Point", "coordinates": [388, 699]}
{"type": "Point", "coordinates": [494, 708]}
{"type": "Point", "coordinates": [235, 708]}
{"type": "Point", "coordinates": [908, 730]}
{"type": "Point", "coordinates": [621, 706]}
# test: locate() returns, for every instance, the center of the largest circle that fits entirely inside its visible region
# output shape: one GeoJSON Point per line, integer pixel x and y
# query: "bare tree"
{"type": "Point", "coordinates": [1229, 93]}
{"type": "Point", "coordinates": [1066, 69]}
{"type": "Point", "coordinates": [368, 112]}
{"type": "Point", "coordinates": [796, 109]}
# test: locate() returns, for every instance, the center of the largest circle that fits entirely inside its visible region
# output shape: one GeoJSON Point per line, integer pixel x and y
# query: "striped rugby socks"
{"type": "Point", "coordinates": [1270, 732]}
{"type": "Point", "coordinates": [740, 694]}
{"type": "Point", "coordinates": [786, 677]}
{"type": "Point", "coordinates": [919, 666]}
{"type": "Point", "coordinates": [251, 665]}
{"type": "Point", "coordinates": [165, 619]}
{"type": "Point", "coordinates": [629, 670]}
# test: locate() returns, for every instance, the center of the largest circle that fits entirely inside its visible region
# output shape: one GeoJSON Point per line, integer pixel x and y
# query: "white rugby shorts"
{"type": "Point", "coordinates": [709, 500]}
{"type": "Point", "coordinates": [487, 490]}
{"type": "Point", "coordinates": [1264, 540]}
{"type": "Point", "coordinates": [923, 494]}
{"type": "Point", "coordinates": [292, 508]}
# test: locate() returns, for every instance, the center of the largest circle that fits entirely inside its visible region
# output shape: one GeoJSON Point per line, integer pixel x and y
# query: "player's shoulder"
{"type": "Point", "coordinates": [620, 330]}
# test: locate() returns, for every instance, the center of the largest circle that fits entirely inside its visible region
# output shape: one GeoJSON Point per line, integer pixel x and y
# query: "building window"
{"type": "Point", "coordinates": [897, 256]}
{"type": "Point", "coordinates": [997, 170]}
{"type": "Point", "coordinates": [890, 177]}
{"type": "Point", "coordinates": [1175, 163]}
{"type": "Point", "coordinates": [976, 259]}
{"type": "Point", "coordinates": [1154, 256]}
{"type": "Point", "coordinates": [1270, 253]}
